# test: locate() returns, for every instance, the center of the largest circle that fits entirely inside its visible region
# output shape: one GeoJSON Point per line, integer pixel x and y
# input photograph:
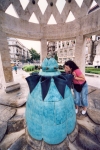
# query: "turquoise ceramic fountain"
{"type": "Point", "coordinates": [50, 110]}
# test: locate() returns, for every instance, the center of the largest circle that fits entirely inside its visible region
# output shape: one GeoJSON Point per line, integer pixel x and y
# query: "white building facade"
{"type": "Point", "coordinates": [18, 52]}
{"type": "Point", "coordinates": [65, 50]}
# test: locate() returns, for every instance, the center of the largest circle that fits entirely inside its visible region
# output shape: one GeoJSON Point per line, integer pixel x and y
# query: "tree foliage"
{"type": "Point", "coordinates": [34, 54]}
{"type": "Point", "coordinates": [56, 57]}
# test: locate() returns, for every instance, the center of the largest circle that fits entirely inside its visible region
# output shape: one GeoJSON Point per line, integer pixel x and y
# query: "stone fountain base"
{"type": "Point", "coordinates": [14, 135]}
{"type": "Point", "coordinates": [41, 145]}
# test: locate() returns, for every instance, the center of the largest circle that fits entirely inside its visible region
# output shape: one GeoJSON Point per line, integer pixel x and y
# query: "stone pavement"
{"type": "Point", "coordinates": [93, 80]}
{"type": "Point", "coordinates": [12, 120]}
{"type": "Point", "coordinates": [17, 97]}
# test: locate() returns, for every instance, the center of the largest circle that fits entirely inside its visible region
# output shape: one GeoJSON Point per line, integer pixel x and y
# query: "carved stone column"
{"type": "Point", "coordinates": [80, 52]}
{"type": "Point", "coordinates": [5, 59]}
{"type": "Point", "coordinates": [6, 77]}
{"type": "Point", "coordinates": [43, 49]}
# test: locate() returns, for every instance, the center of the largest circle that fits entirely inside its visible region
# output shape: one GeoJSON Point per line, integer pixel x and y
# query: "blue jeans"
{"type": "Point", "coordinates": [80, 99]}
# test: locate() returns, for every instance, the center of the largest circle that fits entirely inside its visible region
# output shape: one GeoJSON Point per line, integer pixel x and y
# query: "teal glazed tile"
{"type": "Point", "coordinates": [35, 130]}
{"type": "Point", "coordinates": [70, 114]}
{"type": "Point", "coordinates": [37, 111]}
{"type": "Point", "coordinates": [34, 109]}
{"type": "Point", "coordinates": [69, 103]}
{"type": "Point", "coordinates": [30, 101]}
{"type": "Point", "coordinates": [42, 73]}
{"type": "Point", "coordinates": [60, 111]}
{"type": "Point", "coordinates": [36, 93]}
{"type": "Point", "coordinates": [70, 108]}
{"type": "Point", "coordinates": [53, 94]}
{"type": "Point", "coordinates": [48, 113]}
{"type": "Point", "coordinates": [53, 118]}
{"type": "Point", "coordinates": [73, 105]}
{"type": "Point", "coordinates": [28, 108]}
{"type": "Point", "coordinates": [50, 64]}
{"type": "Point", "coordinates": [55, 134]}
{"type": "Point", "coordinates": [28, 113]}
{"type": "Point", "coordinates": [71, 123]}
{"type": "Point", "coordinates": [67, 92]}
{"type": "Point", "coordinates": [29, 121]}
{"type": "Point", "coordinates": [29, 98]}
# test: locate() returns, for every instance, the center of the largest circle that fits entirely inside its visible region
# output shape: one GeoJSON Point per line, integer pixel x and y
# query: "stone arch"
{"type": "Point", "coordinates": [83, 25]}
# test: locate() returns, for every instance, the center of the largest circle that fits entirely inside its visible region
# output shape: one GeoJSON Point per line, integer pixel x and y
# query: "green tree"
{"type": "Point", "coordinates": [56, 57]}
{"type": "Point", "coordinates": [34, 54]}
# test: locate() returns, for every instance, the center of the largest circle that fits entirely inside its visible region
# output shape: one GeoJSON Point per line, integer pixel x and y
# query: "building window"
{"type": "Point", "coordinates": [98, 38]}
{"type": "Point", "coordinates": [63, 45]}
{"type": "Point", "coordinates": [67, 43]}
{"type": "Point", "coordinates": [65, 51]}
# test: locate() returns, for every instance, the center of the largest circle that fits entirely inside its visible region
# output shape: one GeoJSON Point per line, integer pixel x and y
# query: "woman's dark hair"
{"type": "Point", "coordinates": [71, 64]}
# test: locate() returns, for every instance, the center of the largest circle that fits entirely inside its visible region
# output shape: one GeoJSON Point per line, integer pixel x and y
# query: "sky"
{"type": "Point", "coordinates": [31, 44]}
{"type": "Point", "coordinates": [43, 5]}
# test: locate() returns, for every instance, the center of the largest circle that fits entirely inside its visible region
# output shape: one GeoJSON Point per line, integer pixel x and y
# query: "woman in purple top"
{"type": "Point", "coordinates": [80, 86]}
